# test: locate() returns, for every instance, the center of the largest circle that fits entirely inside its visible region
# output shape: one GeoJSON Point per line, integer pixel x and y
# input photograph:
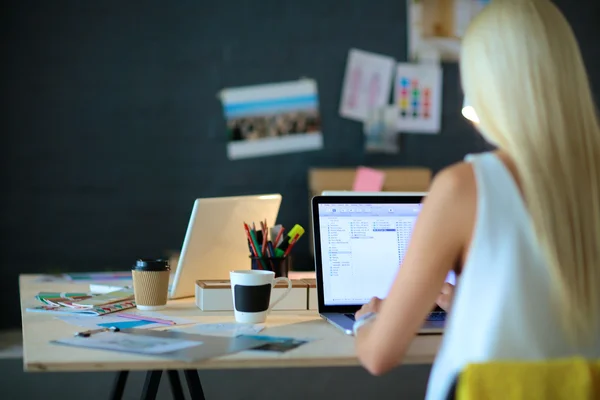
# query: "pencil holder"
{"type": "Point", "coordinates": [279, 265]}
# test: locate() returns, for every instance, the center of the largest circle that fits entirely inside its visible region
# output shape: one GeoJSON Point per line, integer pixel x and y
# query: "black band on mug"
{"type": "Point", "coordinates": [252, 298]}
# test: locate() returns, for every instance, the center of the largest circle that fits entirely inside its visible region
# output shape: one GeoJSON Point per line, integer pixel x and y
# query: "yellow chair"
{"type": "Point", "coordinates": [562, 379]}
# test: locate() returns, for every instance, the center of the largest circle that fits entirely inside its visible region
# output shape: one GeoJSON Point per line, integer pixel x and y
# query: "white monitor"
{"type": "Point", "coordinates": [215, 242]}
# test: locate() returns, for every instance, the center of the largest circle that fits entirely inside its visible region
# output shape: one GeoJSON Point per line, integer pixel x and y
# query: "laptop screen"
{"type": "Point", "coordinates": [362, 247]}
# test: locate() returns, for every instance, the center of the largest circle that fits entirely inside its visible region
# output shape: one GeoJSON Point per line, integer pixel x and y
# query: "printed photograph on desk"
{"type": "Point", "coordinates": [269, 119]}
{"type": "Point", "coordinates": [275, 343]}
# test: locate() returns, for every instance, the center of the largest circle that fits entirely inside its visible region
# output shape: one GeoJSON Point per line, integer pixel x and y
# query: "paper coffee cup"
{"type": "Point", "coordinates": [151, 283]}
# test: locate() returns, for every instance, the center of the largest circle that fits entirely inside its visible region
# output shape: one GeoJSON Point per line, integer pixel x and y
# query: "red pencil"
{"type": "Point", "coordinates": [264, 237]}
{"type": "Point", "coordinates": [292, 243]}
{"type": "Point", "coordinates": [278, 236]}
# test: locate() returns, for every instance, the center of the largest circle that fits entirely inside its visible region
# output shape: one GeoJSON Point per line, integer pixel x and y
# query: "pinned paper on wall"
{"type": "Point", "coordinates": [367, 83]}
{"type": "Point", "coordinates": [368, 180]}
{"type": "Point", "coordinates": [418, 96]}
{"type": "Point", "coordinates": [381, 132]}
{"type": "Point", "coordinates": [440, 24]}
{"type": "Point", "coordinates": [269, 119]}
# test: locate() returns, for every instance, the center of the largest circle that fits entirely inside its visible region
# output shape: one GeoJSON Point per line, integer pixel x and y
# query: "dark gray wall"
{"type": "Point", "coordinates": [111, 126]}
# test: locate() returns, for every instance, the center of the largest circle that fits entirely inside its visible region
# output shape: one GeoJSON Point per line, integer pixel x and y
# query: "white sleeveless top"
{"type": "Point", "coordinates": [501, 308]}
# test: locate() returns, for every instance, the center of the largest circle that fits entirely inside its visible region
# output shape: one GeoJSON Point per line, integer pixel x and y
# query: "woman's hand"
{"type": "Point", "coordinates": [372, 306]}
{"type": "Point", "coordinates": [444, 299]}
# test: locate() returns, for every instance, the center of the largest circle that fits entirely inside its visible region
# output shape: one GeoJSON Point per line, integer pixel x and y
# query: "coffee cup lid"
{"type": "Point", "coordinates": [151, 264]}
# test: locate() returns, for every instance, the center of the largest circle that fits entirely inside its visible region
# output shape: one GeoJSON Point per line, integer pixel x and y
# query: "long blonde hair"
{"type": "Point", "coordinates": [523, 73]}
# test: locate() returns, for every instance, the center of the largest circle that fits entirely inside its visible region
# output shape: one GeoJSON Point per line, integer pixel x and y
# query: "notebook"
{"type": "Point", "coordinates": [93, 311]}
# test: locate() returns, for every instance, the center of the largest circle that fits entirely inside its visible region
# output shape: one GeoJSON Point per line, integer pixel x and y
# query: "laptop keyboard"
{"type": "Point", "coordinates": [437, 316]}
{"type": "Point", "coordinates": [433, 316]}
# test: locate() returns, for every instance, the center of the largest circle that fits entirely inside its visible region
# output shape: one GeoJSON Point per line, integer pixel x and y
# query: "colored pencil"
{"type": "Point", "coordinates": [279, 235]}
{"type": "Point", "coordinates": [256, 249]}
{"type": "Point", "coordinates": [143, 318]}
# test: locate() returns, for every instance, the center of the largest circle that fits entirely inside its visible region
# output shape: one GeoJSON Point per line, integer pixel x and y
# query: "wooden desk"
{"type": "Point", "coordinates": [330, 348]}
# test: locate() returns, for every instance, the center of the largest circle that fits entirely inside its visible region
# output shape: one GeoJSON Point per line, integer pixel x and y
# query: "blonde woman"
{"type": "Point", "coordinates": [521, 226]}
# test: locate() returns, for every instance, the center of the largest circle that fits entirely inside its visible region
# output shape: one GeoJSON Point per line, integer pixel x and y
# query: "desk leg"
{"type": "Point", "coordinates": [194, 385]}
{"type": "Point", "coordinates": [151, 385]}
{"type": "Point", "coordinates": [119, 387]}
{"type": "Point", "coordinates": [176, 388]}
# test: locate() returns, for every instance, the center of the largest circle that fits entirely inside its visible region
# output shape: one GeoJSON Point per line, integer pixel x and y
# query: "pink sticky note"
{"type": "Point", "coordinates": [368, 180]}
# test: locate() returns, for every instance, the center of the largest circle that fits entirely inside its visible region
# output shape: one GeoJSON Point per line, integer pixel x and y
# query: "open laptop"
{"type": "Point", "coordinates": [215, 242]}
{"type": "Point", "coordinates": [359, 244]}
{"type": "Point", "coordinates": [353, 193]}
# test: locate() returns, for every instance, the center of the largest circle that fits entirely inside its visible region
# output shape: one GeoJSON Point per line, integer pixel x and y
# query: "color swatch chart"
{"type": "Point", "coordinates": [414, 99]}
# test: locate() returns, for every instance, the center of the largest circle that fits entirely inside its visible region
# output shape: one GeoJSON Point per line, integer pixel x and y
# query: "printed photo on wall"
{"type": "Point", "coordinates": [367, 84]}
{"type": "Point", "coordinates": [440, 24]}
{"type": "Point", "coordinates": [269, 119]}
{"type": "Point", "coordinates": [418, 96]}
{"type": "Point", "coordinates": [381, 131]}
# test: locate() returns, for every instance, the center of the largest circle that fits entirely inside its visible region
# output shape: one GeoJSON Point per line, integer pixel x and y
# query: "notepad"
{"type": "Point", "coordinates": [368, 180]}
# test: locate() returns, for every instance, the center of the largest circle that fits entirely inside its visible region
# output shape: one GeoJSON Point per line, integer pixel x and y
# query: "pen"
{"type": "Point", "coordinates": [271, 249]}
{"type": "Point", "coordinates": [92, 331]}
{"type": "Point", "coordinates": [142, 318]}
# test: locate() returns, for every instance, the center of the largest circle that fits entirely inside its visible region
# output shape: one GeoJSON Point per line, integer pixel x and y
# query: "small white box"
{"type": "Point", "coordinates": [313, 299]}
{"type": "Point", "coordinates": [216, 296]}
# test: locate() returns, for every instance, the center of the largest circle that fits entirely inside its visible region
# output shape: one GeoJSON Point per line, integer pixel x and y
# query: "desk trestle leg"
{"type": "Point", "coordinates": [119, 388]}
{"type": "Point", "coordinates": [176, 388]}
{"type": "Point", "coordinates": [151, 385]}
{"type": "Point", "coordinates": [153, 381]}
{"type": "Point", "coordinates": [194, 385]}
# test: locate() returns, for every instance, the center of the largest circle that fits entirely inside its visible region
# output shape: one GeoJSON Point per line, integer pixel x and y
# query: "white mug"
{"type": "Point", "coordinates": [251, 291]}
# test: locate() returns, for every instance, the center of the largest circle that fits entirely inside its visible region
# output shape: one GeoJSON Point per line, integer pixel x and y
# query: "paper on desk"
{"type": "Point", "coordinates": [123, 323]}
{"type": "Point", "coordinates": [222, 329]}
{"type": "Point", "coordinates": [130, 343]}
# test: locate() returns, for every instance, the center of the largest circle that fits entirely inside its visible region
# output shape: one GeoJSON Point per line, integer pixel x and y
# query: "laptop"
{"type": "Point", "coordinates": [352, 193]}
{"type": "Point", "coordinates": [215, 242]}
{"type": "Point", "coordinates": [359, 244]}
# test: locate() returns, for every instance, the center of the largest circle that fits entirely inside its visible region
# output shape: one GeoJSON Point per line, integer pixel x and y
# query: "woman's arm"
{"type": "Point", "coordinates": [440, 236]}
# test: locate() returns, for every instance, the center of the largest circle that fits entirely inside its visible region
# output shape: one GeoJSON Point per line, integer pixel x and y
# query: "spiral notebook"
{"type": "Point", "coordinates": [91, 311]}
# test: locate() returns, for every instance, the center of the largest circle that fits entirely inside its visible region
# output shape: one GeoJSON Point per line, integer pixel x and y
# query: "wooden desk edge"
{"type": "Point", "coordinates": [207, 365]}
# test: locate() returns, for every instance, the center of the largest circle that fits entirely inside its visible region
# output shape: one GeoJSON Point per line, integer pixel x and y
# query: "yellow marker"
{"type": "Point", "coordinates": [296, 230]}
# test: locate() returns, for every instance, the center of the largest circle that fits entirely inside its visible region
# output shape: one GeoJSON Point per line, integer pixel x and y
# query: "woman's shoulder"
{"type": "Point", "coordinates": [456, 181]}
